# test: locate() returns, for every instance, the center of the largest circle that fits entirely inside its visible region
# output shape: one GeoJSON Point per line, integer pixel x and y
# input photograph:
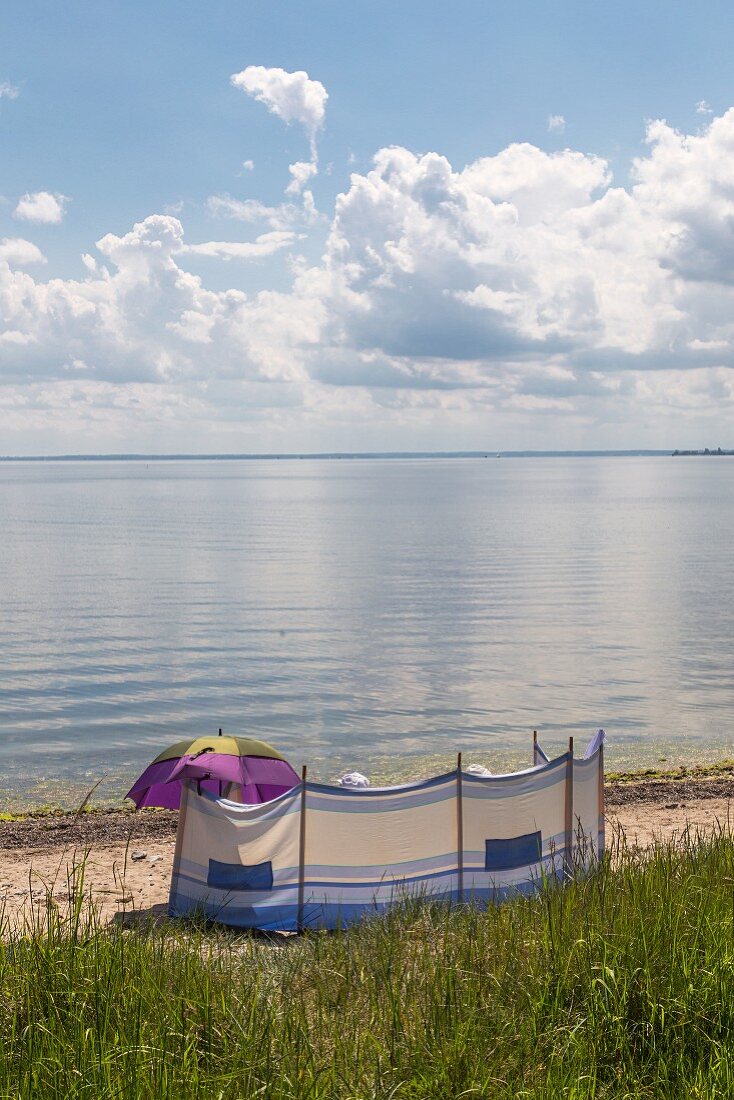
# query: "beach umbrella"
{"type": "Point", "coordinates": [214, 762]}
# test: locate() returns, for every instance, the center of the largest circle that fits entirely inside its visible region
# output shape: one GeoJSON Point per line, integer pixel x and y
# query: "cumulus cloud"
{"type": "Point", "coordinates": [140, 316]}
{"type": "Point", "coordinates": [293, 97]}
{"type": "Point", "coordinates": [43, 207]}
{"type": "Point", "coordinates": [556, 124]}
{"type": "Point", "coordinates": [704, 108]}
{"type": "Point", "coordinates": [8, 90]}
{"type": "Point", "coordinates": [521, 288]}
{"type": "Point", "coordinates": [17, 252]}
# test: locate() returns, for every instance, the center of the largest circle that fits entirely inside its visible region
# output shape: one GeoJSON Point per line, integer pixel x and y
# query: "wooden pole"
{"type": "Point", "coordinates": [569, 810]}
{"type": "Point", "coordinates": [302, 851]}
{"type": "Point", "coordinates": [600, 850]}
{"type": "Point", "coordinates": [459, 830]}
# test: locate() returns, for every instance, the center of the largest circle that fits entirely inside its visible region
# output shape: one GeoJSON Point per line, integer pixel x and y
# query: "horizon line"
{"type": "Point", "coordinates": [135, 456]}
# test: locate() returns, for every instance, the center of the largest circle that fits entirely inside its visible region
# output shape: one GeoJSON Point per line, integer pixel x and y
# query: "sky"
{"type": "Point", "coordinates": [288, 227]}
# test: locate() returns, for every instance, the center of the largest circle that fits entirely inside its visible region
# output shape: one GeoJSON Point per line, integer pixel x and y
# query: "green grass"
{"type": "Point", "coordinates": [618, 985]}
{"type": "Point", "coordinates": [722, 769]}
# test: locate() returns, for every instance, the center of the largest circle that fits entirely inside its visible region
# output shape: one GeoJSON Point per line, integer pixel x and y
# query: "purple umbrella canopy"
{"type": "Point", "coordinates": [257, 769]}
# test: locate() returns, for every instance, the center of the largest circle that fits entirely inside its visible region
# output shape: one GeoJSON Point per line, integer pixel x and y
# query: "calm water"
{"type": "Point", "coordinates": [379, 614]}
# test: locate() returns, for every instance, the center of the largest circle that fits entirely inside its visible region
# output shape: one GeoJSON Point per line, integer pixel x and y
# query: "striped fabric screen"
{"type": "Point", "coordinates": [365, 849]}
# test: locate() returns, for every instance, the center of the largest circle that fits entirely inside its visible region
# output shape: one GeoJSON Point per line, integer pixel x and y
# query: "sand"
{"type": "Point", "coordinates": [127, 857]}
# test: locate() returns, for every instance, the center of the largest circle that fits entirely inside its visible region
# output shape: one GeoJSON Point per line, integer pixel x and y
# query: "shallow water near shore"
{"type": "Point", "coordinates": [379, 614]}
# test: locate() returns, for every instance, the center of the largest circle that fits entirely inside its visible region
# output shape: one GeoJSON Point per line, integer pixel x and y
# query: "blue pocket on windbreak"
{"type": "Point", "coordinates": [515, 851]}
{"type": "Point", "coordinates": [237, 876]}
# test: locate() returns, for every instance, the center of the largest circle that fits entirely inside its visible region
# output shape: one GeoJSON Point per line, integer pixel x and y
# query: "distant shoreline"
{"type": "Point", "coordinates": [336, 455]}
{"type": "Point", "coordinates": [719, 452]}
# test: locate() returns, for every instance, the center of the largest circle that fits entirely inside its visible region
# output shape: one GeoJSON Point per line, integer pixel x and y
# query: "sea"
{"type": "Point", "coordinates": [378, 614]}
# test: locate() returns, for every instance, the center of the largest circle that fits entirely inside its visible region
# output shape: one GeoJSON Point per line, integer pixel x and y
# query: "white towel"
{"type": "Point", "coordinates": [354, 779]}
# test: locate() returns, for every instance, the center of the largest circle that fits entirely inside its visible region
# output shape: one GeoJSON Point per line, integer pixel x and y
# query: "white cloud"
{"type": "Point", "coordinates": [265, 245]}
{"type": "Point", "coordinates": [248, 165]}
{"type": "Point", "coordinates": [301, 172]}
{"type": "Point", "coordinates": [283, 217]}
{"type": "Point", "coordinates": [556, 124]}
{"type": "Point", "coordinates": [250, 210]}
{"type": "Point", "coordinates": [17, 252]}
{"type": "Point", "coordinates": [8, 90]}
{"type": "Point", "coordinates": [12, 336]}
{"type": "Point", "coordinates": [42, 207]}
{"type": "Point", "coordinates": [704, 108]}
{"type": "Point", "coordinates": [293, 97]}
{"type": "Point", "coordinates": [139, 316]}
{"type": "Point", "coordinates": [516, 290]}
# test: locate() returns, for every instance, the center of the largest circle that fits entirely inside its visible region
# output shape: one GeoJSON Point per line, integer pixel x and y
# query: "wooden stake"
{"type": "Point", "coordinates": [459, 830]}
{"type": "Point", "coordinates": [302, 851]}
{"type": "Point", "coordinates": [600, 850]}
{"type": "Point", "coordinates": [569, 810]}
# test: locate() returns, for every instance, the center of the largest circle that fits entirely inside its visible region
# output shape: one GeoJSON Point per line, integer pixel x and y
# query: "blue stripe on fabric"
{"type": "Point", "coordinates": [338, 876]}
{"type": "Point", "coordinates": [446, 861]}
{"type": "Point", "coordinates": [239, 876]}
{"type": "Point", "coordinates": [416, 880]}
{"type": "Point", "coordinates": [512, 852]}
{"type": "Point", "coordinates": [336, 800]}
{"type": "Point", "coordinates": [331, 915]}
{"type": "Point", "coordinates": [331, 884]}
{"type": "Point", "coordinates": [386, 799]}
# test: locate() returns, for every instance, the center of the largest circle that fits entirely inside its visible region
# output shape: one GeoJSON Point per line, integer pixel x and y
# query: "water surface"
{"type": "Point", "coordinates": [379, 614]}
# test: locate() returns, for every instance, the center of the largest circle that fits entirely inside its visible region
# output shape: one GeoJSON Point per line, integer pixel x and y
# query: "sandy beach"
{"type": "Point", "coordinates": [127, 856]}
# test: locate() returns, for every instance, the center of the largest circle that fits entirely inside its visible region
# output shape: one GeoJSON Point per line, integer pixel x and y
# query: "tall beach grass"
{"type": "Point", "coordinates": [620, 984]}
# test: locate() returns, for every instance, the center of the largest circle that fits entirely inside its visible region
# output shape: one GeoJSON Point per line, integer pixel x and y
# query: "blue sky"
{"type": "Point", "coordinates": [125, 112]}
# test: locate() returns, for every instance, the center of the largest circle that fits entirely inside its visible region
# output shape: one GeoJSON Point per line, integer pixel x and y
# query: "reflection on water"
{"type": "Point", "coordinates": [374, 613]}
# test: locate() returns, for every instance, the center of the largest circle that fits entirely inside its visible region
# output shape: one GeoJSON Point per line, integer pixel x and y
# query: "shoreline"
{"type": "Point", "coordinates": [124, 857]}
{"type": "Point", "coordinates": [103, 826]}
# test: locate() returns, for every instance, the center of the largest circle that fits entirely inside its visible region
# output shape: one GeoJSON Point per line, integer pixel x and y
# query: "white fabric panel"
{"type": "Point", "coordinates": [365, 848]}
{"type": "Point", "coordinates": [371, 849]}
{"type": "Point", "coordinates": [405, 829]}
{"type": "Point", "coordinates": [586, 822]}
{"type": "Point", "coordinates": [513, 807]}
{"type": "Point", "coordinates": [230, 833]}
{"type": "Point", "coordinates": [233, 833]}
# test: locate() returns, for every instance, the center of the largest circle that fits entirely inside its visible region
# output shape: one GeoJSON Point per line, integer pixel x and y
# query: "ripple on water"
{"type": "Point", "coordinates": [375, 614]}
